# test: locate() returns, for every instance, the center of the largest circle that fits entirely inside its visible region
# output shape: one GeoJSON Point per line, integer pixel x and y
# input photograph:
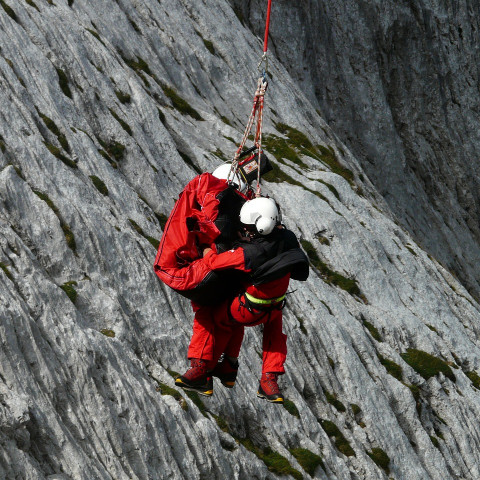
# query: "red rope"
{"type": "Point", "coordinates": [267, 26]}
{"type": "Point", "coordinates": [257, 111]}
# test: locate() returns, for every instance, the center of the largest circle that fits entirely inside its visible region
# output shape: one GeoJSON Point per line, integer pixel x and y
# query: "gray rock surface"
{"type": "Point", "coordinates": [398, 83]}
{"type": "Point", "coordinates": [94, 150]}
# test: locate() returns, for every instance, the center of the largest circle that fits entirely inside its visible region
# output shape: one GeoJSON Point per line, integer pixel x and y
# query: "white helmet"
{"type": "Point", "coordinates": [223, 173]}
{"type": "Point", "coordinates": [261, 212]}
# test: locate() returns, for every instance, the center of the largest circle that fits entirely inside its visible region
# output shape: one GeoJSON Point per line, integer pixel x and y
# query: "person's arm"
{"type": "Point", "coordinates": [220, 261]}
{"type": "Point", "coordinates": [201, 220]}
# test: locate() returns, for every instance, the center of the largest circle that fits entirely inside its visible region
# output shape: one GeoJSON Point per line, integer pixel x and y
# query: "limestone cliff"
{"type": "Point", "coordinates": [108, 109]}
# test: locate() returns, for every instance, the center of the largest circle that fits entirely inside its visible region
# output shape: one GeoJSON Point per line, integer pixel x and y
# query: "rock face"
{"type": "Point", "coordinates": [108, 109]}
{"type": "Point", "coordinates": [398, 83]}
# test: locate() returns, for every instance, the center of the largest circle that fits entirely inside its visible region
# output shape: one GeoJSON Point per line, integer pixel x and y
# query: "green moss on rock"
{"type": "Point", "coordinates": [95, 34]}
{"type": "Point", "coordinates": [180, 103]}
{"type": "Point", "coordinates": [291, 408]}
{"type": "Point", "coordinates": [123, 97]}
{"type": "Point", "coordinates": [307, 459]}
{"type": "Point", "coordinates": [275, 462]}
{"type": "Point", "coordinates": [327, 155]}
{"type": "Point", "coordinates": [226, 121]}
{"type": "Point", "coordinates": [331, 188]}
{"type": "Point", "coordinates": [46, 199]}
{"type": "Point", "coordinates": [426, 364]}
{"type": "Point", "coordinates": [222, 423]}
{"type": "Point", "coordinates": [69, 289]}
{"type": "Point", "coordinates": [218, 153]}
{"type": "Point", "coordinates": [63, 82]}
{"type": "Point", "coordinates": [69, 236]}
{"type": "Point", "coordinates": [51, 125]}
{"type": "Point", "coordinates": [297, 144]}
{"type": "Point", "coordinates": [195, 398]}
{"type": "Point", "coordinates": [435, 441]}
{"type": "Point", "coordinates": [122, 122]}
{"type": "Point", "coordinates": [99, 185]}
{"type": "Point", "coordinates": [296, 138]}
{"type": "Point", "coordinates": [139, 65]}
{"type": "Point", "coordinates": [373, 330]}
{"type": "Point", "coordinates": [355, 409]}
{"type": "Point", "coordinates": [279, 464]}
{"type": "Point", "coordinates": [380, 458]}
{"type": "Point", "coordinates": [164, 389]}
{"type": "Point", "coordinates": [6, 271]}
{"type": "Point", "coordinates": [332, 400]}
{"type": "Point", "coordinates": [341, 442]}
{"type": "Point", "coordinates": [32, 4]}
{"type": "Point", "coordinates": [114, 149]}
{"type": "Point", "coordinates": [9, 10]}
{"type": "Point", "coordinates": [162, 219]}
{"type": "Point", "coordinates": [475, 379]}
{"type": "Point", "coordinates": [209, 45]}
{"type": "Point", "coordinates": [107, 332]}
{"type": "Point", "coordinates": [277, 175]}
{"type": "Point", "coordinates": [189, 161]}
{"type": "Point", "coordinates": [55, 151]}
{"type": "Point", "coordinates": [281, 148]}
{"type": "Point", "coordinates": [154, 242]}
{"type": "Point", "coordinates": [330, 276]}
{"type": "Point", "coordinates": [392, 368]}
{"type": "Point", "coordinates": [107, 157]}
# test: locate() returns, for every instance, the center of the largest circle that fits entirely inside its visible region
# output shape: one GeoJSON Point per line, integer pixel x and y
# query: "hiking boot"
{"type": "Point", "coordinates": [268, 388]}
{"type": "Point", "coordinates": [196, 378]}
{"type": "Point", "coordinates": [226, 371]}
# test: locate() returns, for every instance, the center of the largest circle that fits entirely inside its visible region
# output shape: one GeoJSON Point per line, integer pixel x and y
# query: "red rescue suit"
{"type": "Point", "coordinates": [281, 255]}
{"type": "Point", "coordinates": [227, 321]}
{"type": "Point", "coordinates": [199, 218]}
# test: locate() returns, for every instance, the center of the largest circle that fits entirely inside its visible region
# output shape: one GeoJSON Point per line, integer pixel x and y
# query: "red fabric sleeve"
{"type": "Point", "coordinates": [206, 188]}
{"type": "Point", "coordinates": [221, 261]}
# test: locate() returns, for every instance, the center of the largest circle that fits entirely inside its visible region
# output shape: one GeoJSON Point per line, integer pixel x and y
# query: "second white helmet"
{"type": "Point", "coordinates": [224, 173]}
{"type": "Point", "coordinates": [261, 212]}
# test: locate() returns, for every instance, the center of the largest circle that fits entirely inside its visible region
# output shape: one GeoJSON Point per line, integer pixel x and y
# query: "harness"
{"type": "Point", "coordinates": [262, 304]}
{"type": "Point", "coordinates": [257, 306]}
{"type": "Point", "coordinates": [264, 301]}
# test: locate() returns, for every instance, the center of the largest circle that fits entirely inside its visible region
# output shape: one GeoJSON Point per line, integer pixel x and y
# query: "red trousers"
{"type": "Point", "coordinates": [220, 329]}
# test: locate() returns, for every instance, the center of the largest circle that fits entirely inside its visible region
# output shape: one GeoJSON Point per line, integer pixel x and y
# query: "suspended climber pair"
{"type": "Point", "coordinates": [226, 249]}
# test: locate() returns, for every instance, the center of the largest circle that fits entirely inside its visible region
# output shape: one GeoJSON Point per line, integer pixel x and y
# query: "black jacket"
{"type": "Point", "coordinates": [272, 256]}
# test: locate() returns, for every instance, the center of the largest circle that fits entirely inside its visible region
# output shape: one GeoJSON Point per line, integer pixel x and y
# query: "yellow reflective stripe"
{"type": "Point", "coordinates": [261, 301]}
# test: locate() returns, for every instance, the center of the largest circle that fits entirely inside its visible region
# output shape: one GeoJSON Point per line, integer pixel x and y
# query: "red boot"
{"type": "Point", "coordinates": [226, 371]}
{"type": "Point", "coordinates": [268, 388]}
{"type": "Point", "coordinates": [196, 378]}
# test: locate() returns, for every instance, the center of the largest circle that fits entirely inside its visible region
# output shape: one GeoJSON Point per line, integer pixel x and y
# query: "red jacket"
{"type": "Point", "coordinates": [191, 225]}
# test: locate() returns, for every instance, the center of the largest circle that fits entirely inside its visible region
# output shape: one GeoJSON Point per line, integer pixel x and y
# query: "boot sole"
{"type": "Point", "coordinates": [276, 400]}
{"type": "Point", "coordinates": [228, 384]}
{"type": "Point", "coordinates": [200, 391]}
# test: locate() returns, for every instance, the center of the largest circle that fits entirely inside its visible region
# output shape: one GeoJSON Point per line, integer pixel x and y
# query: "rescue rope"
{"type": "Point", "coordinates": [257, 110]}
{"type": "Point", "coordinates": [267, 27]}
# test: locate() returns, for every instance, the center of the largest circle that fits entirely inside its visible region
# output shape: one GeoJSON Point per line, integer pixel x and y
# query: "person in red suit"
{"type": "Point", "coordinates": [206, 215]}
{"type": "Point", "coordinates": [268, 255]}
